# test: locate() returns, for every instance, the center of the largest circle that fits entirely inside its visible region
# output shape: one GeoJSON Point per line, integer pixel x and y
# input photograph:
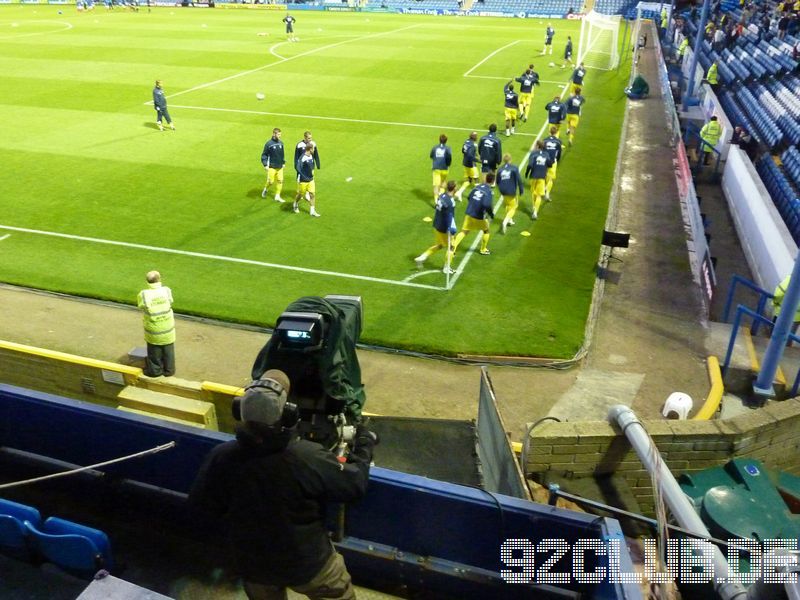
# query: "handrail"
{"type": "Point", "coordinates": [740, 310]}
{"type": "Point", "coordinates": [714, 398]}
{"type": "Point", "coordinates": [764, 295]}
{"type": "Point", "coordinates": [743, 310]}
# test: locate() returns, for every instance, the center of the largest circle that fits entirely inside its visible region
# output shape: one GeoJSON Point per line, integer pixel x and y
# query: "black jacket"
{"type": "Point", "coordinates": [271, 492]}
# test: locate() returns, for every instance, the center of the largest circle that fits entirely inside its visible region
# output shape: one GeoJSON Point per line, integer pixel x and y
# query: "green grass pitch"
{"type": "Point", "coordinates": [82, 159]}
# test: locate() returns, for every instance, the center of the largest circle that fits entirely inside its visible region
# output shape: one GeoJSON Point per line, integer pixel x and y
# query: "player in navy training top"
{"type": "Point", "coordinates": [577, 77]}
{"type": "Point", "coordinates": [479, 207]}
{"type": "Point", "coordinates": [556, 111]}
{"type": "Point", "coordinates": [272, 158]}
{"type": "Point", "coordinates": [574, 104]}
{"type": "Point", "coordinates": [509, 184]}
{"type": "Point", "coordinates": [441, 157]}
{"type": "Point", "coordinates": [469, 150]}
{"type": "Point", "coordinates": [490, 151]}
{"type": "Point", "coordinates": [552, 145]}
{"type": "Point", "coordinates": [536, 171]}
{"type": "Point", "coordinates": [568, 53]}
{"type": "Point", "coordinates": [306, 188]}
{"type": "Point", "coordinates": [511, 107]}
{"type": "Point", "coordinates": [526, 81]}
{"type": "Point", "coordinates": [444, 226]}
{"type": "Point", "coordinates": [290, 21]}
{"type": "Point", "coordinates": [300, 148]}
{"type": "Point", "coordinates": [548, 39]}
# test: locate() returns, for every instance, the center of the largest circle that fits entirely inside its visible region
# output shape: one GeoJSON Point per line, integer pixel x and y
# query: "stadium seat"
{"type": "Point", "coordinates": [77, 549]}
{"type": "Point", "coordinates": [13, 535]}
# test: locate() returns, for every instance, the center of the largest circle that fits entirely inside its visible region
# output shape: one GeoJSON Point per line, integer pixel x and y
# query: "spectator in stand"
{"type": "Point", "coordinates": [783, 25]}
{"type": "Point", "coordinates": [744, 140]}
{"type": "Point", "coordinates": [719, 40]}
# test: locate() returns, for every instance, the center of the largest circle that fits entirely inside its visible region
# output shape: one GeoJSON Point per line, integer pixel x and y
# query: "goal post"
{"type": "Point", "coordinates": [599, 42]}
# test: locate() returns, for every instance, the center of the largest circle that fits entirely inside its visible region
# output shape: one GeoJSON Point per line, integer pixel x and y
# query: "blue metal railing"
{"type": "Point", "coordinates": [764, 295]}
{"type": "Point", "coordinates": [743, 310]}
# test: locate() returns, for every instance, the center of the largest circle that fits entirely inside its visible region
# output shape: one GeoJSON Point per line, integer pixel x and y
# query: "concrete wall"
{"type": "Point", "coordinates": [766, 241]}
{"type": "Point", "coordinates": [573, 450]}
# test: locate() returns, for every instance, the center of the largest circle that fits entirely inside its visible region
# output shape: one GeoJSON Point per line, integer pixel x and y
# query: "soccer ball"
{"type": "Point", "coordinates": [260, 96]}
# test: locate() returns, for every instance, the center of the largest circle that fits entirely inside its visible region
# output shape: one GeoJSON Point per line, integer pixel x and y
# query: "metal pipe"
{"type": "Point", "coordinates": [673, 495]}
{"type": "Point", "coordinates": [698, 43]}
{"type": "Point", "coordinates": [556, 492]}
{"type": "Point", "coordinates": [780, 333]}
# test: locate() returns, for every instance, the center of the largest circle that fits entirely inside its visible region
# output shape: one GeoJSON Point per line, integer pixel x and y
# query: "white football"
{"type": "Point", "coordinates": [260, 96]}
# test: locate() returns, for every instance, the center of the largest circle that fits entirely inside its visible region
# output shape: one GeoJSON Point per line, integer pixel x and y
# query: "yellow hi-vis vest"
{"type": "Point", "coordinates": [711, 133]}
{"type": "Point", "coordinates": [159, 322]}
{"type": "Point", "coordinates": [780, 292]}
{"type": "Point", "coordinates": [683, 46]}
{"type": "Point", "coordinates": [711, 77]}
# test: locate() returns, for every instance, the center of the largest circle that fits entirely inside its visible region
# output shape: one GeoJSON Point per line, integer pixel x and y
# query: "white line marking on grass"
{"type": "Point", "coordinates": [231, 259]}
{"type": "Point", "coordinates": [65, 28]}
{"type": "Point", "coordinates": [316, 37]}
{"type": "Point", "coordinates": [415, 275]}
{"type": "Point", "coordinates": [272, 50]}
{"type": "Point", "coordinates": [324, 118]}
{"type": "Point", "coordinates": [464, 261]}
{"type": "Point", "coordinates": [283, 60]}
{"type": "Point", "coordinates": [6, 236]}
{"type": "Point", "coordinates": [507, 78]}
{"type": "Point", "coordinates": [490, 55]}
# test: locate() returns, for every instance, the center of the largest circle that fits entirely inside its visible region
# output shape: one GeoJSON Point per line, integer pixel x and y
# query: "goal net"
{"type": "Point", "coordinates": [599, 43]}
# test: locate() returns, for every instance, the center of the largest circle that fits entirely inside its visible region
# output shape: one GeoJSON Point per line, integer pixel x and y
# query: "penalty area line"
{"type": "Point", "coordinates": [287, 59]}
{"type": "Point", "coordinates": [229, 259]}
{"type": "Point", "coordinates": [324, 118]}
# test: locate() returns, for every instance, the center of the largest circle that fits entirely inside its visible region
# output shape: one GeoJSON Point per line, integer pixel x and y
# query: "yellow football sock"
{"type": "Point", "coordinates": [457, 240]}
{"type": "Point", "coordinates": [512, 210]}
{"type": "Point", "coordinates": [485, 242]}
{"type": "Point", "coordinates": [547, 187]}
{"type": "Point", "coordinates": [537, 203]}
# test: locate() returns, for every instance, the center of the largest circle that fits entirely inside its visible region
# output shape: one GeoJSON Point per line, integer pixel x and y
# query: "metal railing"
{"type": "Point", "coordinates": [743, 310]}
{"type": "Point", "coordinates": [764, 295]}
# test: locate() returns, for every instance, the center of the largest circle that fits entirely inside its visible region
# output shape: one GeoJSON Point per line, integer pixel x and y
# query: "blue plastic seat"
{"type": "Point", "coordinates": [13, 535]}
{"type": "Point", "coordinates": [78, 549]}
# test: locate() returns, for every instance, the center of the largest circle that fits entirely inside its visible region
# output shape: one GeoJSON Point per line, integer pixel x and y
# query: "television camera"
{"type": "Point", "coordinates": [314, 343]}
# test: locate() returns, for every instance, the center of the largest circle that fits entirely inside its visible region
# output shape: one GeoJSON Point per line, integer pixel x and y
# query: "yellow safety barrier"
{"type": "Point", "coordinates": [714, 398]}
{"type": "Point", "coordinates": [130, 373]}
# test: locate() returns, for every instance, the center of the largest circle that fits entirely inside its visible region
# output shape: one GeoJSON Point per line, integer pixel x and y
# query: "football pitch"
{"type": "Point", "coordinates": [94, 195]}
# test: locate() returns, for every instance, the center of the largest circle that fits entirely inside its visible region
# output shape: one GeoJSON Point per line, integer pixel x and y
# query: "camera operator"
{"type": "Point", "coordinates": [270, 489]}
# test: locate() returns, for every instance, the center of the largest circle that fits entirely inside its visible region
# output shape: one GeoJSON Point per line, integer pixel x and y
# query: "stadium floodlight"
{"type": "Point", "coordinates": [599, 41]}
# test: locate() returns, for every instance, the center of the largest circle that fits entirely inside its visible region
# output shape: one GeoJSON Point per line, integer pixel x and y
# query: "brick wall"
{"type": "Point", "coordinates": [770, 434]}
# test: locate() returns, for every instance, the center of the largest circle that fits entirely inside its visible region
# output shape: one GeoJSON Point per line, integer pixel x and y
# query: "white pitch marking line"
{"type": "Point", "coordinates": [8, 235]}
{"type": "Point", "coordinates": [415, 275]}
{"type": "Point", "coordinates": [507, 78]}
{"type": "Point", "coordinates": [463, 264]}
{"type": "Point", "coordinates": [283, 60]}
{"type": "Point", "coordinates": [272, 50]}
{"type": "Point", "coordinates": [324, 118]}
{"type": "Point", "coordinates": [490, 56]}
{"type": "Point", "coordinates": [243, 261]}
{"type": "Point", "coordinates": [316, 37]}
{"type": "Point", "coordinates": [21, 35]}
